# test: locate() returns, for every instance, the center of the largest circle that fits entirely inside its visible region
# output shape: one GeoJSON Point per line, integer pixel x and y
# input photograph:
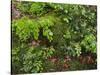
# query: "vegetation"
{"type": "Point", "coordinates": [49, 37]}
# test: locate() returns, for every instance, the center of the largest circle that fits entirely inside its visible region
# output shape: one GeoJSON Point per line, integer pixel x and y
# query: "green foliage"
{"type": "Point", "coordinates": [26, 28]}
{"type": "Point", "coordinates": [67, 30]}
{"type": "Point", "coordinates": [89, 42]}
{"type": "Point", "coordinates": [36, 8]}
{"type": "Point", "coordinates": [46, 23]}
{"type": "Point", "coordinates": [32, 58]}
{"type": "Point", "coordinates": [75, 25]}
{"type": "Point", "coordinates": [23, 7]}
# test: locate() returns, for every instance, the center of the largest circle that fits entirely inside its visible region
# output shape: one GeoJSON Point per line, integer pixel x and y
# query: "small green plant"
{"type": "Point", "coordinates": [32, 58]}
{"type": "Point", "coordinates": [27, 28]}
{"type": "Point", "coordinates": [89, 43]}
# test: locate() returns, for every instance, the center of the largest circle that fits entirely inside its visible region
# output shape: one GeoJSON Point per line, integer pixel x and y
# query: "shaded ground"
{"type": "Point", "coordinates": [70, 64]}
